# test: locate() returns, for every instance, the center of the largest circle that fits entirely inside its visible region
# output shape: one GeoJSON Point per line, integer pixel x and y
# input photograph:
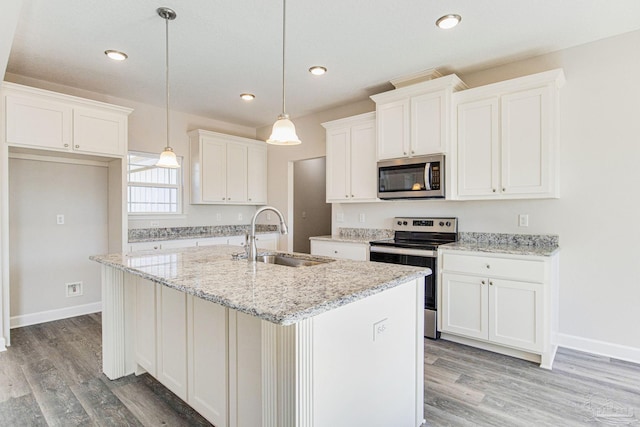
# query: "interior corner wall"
{"type": "Point", "coordinates": [596, 216]}
{"type": "Point", "coordinates": [312, 135]}
{"type": "Point", "coordinates": [44, 255]}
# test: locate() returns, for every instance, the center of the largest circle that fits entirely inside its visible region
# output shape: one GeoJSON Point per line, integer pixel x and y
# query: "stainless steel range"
{"type": "Point", "coordinates": [416, 242]}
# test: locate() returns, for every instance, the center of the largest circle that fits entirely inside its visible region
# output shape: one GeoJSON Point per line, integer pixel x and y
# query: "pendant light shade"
{"type": "Point", "coordinates": [284, 131]}
{"type": "Point", "coordinates": [167, 157]}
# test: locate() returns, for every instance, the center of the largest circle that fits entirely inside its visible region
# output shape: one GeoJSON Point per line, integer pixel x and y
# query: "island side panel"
{"type": "Point", "coordinates": [117, 324]}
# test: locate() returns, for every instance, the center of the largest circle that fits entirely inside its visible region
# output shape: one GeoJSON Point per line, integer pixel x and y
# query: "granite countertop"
{"type": "Point", "coordinates": [357, 235]}
{"type": "Point", "coordinates": [137, 235]}
{"type": "Point", "coordinates": [350, 239]}
{"type": "Point", "coordinates": [279, 294]}
{"type": "Point", "coordinates": [512, 244]}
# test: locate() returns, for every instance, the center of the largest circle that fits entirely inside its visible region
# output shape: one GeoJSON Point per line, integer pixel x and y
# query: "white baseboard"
{"type": "Point", "coordinates": [51, 315]}
{"type": "Point", "coordinates": [3, 344]}
{"type": "Point", "coordinates": [601, 348]}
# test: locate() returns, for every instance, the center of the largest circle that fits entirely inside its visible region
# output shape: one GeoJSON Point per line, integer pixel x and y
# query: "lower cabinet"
{"type": "Point", "coordinates": [184, 342]}
{"type": "Point", "coordinates": [339, 249]}
{"type": "Point", "coordinates": [504, 301]}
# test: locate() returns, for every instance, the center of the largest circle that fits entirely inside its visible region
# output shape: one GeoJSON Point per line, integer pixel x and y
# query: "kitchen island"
{"type": "Point", "coordinates": [337, 343]}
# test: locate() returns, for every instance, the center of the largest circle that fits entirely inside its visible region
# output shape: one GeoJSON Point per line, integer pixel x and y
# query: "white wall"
{"type": "Point", "coordinates": [147, 133]}
{"type": "Point", "coordinates": [44, 255]}
{"type": "Point", "coordinates": [597, 214]}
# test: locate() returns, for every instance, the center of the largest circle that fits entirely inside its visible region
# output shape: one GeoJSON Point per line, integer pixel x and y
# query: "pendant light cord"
{"type": "Point", "coordinates": [166, 21]}
{"type": "Point", "coordinates": [284, 31]}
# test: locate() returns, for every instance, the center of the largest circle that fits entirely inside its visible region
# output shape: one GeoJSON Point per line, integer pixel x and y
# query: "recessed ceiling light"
{"type": "Point", "coordinates": [116, 55]}
{"type": "Point", "coordinates": [317, 70]}
{"type": "Point", "coordinates": [247, 96]}
{"type": "Point", "coordinates": [448, 21]}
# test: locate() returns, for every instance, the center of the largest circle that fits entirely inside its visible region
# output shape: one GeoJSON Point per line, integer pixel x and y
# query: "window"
{"type": "Point", "coordinates": [152, 190]}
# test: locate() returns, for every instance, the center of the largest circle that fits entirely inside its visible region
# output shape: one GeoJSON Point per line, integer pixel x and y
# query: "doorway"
{"type": "Point", "coordinates": [311, 212]}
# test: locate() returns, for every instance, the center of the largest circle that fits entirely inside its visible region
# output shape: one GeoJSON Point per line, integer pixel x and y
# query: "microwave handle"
{"type": "Point", "coordinates": [427, 176]}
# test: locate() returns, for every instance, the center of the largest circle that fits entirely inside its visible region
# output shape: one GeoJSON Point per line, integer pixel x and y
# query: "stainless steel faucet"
{"type": "Point", "coordinates": [252, 253]}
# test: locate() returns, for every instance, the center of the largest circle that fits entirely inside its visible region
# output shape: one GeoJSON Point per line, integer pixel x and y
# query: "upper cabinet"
{"type": "Point", "coordinates": [507, 142]}
{"type": "Point", "coordinates": [351, 159]}
{"type": "Point", "coordinates": [64, 123]}
{"type": "Point", "coordinates": [227, 169]}
{"type": "Point", "coordinates": [415, 120]}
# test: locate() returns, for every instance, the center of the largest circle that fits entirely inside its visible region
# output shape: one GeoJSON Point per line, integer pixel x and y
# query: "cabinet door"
{"type": "Point", "coordinates": [99, 132]}
{"type": "Point", "coordinates": [429, 124]}
{"type": "Point", "coordinates": [208, 381]}
{"type": "Point", "coordinates": [172, 340]}
{"type": "Point", "coordinates": [214, 170]}
{"type": "Point", "coordinates": [39, 123]}
{"type": "Point", "coordinates": [526, 142]}
{"type": "Point", "coordinates": [146, 324]}
{"type": "Point", "coordinates": [338, 164]}
{"type": "Point", "coordinates": [236, 173]}
{"type": "Point", "coordinates": [393, 129]}
{"type": "Point", "coordinates": [363, 176]}
{"type": "Point", "coordinates": [516, 314]}
{"type": "Point", "coordinates": [478, 148]}
{"type": "Point", "coordinates": [257, 173]}
{"type": "Point", "coordinates": [267, 241]}
{"type": "Point", "coordinates": [464, 305]}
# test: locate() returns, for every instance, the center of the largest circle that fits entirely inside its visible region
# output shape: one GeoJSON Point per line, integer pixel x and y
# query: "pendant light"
{"type": "Point", "coordinates": [284, 131]}
{"type": "Point", "coordinates": [167, 157]}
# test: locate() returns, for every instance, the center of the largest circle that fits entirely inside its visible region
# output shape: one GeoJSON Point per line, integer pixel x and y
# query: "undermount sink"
{"type": "Point", "coordinates": [290, 261]}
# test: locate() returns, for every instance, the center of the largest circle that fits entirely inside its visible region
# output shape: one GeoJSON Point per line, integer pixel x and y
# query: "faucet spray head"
{"type": "Point", "coordinates": [283, 228]}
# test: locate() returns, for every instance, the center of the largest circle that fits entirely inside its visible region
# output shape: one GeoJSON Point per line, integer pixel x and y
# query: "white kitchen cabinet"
{"type": "Point", "coordinates": [207, 325]}
{"type": "Point", "coordinates": [342, 250]}
{"type": "Point", "coordinates": [145, 332]}
{"type": "Point", "coordinates": [164, 244]}
{"type": "Point", "coordinates": [257, 175]}
{"type": "Point", "coordinates": [64, 123]}
{"type": "Point", "coordinates": [226, 169]}
{"type": "Point", "coordinates": [351, 159]}
{"type": "Point", "coordinates": [415, 120]}
{"type": "Point", "coordinates": [507, 143]}
{"type": "Point", "coordinates": [267, 241]}
{"type": "Point", "coordinates": [500, 302]}
{"type": "Point", "coordinates": [172, 340]}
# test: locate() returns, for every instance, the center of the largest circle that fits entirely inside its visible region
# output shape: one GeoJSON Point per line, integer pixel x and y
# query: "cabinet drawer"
{"type": "Point", "coordinates": [518, 269]}
{"type": "Point", "coordinates": [341, 250]}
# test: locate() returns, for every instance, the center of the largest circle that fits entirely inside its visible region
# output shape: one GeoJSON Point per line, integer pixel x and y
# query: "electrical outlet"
{"type": "Point", "coordinates": [218, 216]}
{"type": "Point", "coordinates": [340, 217]}
{"type": "Point", "coordinates": [74, 289]}
{"type": "Point", "coordinates": [240, 216]}
{"type": "Point", "coordinates": [60, 219]}
{"type": "Point", "coordinates": [361, 217]}
{"type": "Point", "coordinates": [268, 216]}
{"type": "Point", "coordinates": [523, 220]}
{"type": "Point", "coordinates": [380, 329]}
{"type": "Point", "coordinates": [155, 224]}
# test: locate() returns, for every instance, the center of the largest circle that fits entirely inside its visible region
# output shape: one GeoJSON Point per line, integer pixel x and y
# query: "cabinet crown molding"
{"type": "Point", "coordinates": [15, 88]}
{"type": "Point", "coordinates": [451, 81]}
{"type": "Point", "coordinates": [225, 136]}
{"type": "Point", "coordinates": [555, 77]}
{"type": "Point", "coordinates": [348, 121]}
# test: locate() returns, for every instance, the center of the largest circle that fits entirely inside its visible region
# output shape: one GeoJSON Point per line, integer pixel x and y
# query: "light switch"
{"type": "Point", "coordinates": [523, 220]}
{"type": "Point", "coordinates": [361, 217]}
{"type": "Point", "coordinates": [60, 219]}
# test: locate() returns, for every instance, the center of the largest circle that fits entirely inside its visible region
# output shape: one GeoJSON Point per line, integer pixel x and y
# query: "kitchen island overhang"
{"type": "Point", "coordinates": [338, 343]}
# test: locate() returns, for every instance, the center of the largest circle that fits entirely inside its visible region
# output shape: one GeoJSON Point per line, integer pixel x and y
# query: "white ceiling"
{"type": "Point", "coordinates": [220, 49]}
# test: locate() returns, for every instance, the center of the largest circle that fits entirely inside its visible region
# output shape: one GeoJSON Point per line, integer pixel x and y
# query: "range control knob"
{"type": "Point", "coordinates": [404, 222]}
{"type": "Point", "coordinates": [441, 224]}
{"type": "Point", "coordinates": [448, 223]}
{"type": "Point", "coordinates": [399, 222]}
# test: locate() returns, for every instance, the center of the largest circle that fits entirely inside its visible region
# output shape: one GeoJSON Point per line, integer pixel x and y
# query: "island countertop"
{"type": "Point", "coordinates": [279, 294]}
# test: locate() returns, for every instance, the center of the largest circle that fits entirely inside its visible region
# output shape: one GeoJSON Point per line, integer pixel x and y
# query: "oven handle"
{"type": "Point", "coordinates": [404, 251]}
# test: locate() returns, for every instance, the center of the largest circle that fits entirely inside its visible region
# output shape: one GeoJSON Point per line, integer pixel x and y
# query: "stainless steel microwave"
{"type": "Point", "coordinates": [413, 178]}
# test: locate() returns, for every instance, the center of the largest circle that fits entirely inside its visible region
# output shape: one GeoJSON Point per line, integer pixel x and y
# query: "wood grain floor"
{"type": "Point", "coordinates": [51, 376]}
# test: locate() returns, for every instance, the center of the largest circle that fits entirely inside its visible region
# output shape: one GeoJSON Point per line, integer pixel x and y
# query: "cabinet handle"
{"type": "Point", "coordinates": [352, 195]}
{"type": "Point", "coordinates": [488, 266]}
{"type": "Point", "coordinates": [504, 190]}
{"type": "Point", "coordinates": [335, 252]}
{"type": "Point", "coordinates": [483, 282]}
{"type": "Point", "coordinates": [66, 145]}
{"type": "Point", "coordinates": [494, 190]}
{"type": "Point", "coordinates": [249, 199]}
{"type": "Point", "coordinates": [490, 283]}
{"type": "Point", "coordinates": [404, 152]}
{"type": "Point", "coordinates": [155, 247]}
{"type": "Point", "coordinates": [77, 146]}
{"type": "Point", "coordinates": [224, 198]}
{"type": "Point", "coordinates": [413, 152]}
{"type": "Point", "coordinates": [346, 195]}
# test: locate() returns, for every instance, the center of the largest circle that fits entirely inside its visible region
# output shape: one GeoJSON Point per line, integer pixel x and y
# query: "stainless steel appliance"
{"type": "Point", "coordinates": [416, 242]}
{"type": "Point", "coordinates": [413, 178]}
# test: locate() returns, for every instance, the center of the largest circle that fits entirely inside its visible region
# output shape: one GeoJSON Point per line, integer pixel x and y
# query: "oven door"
{"type": "Point", "coordinates": [418, 258]}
